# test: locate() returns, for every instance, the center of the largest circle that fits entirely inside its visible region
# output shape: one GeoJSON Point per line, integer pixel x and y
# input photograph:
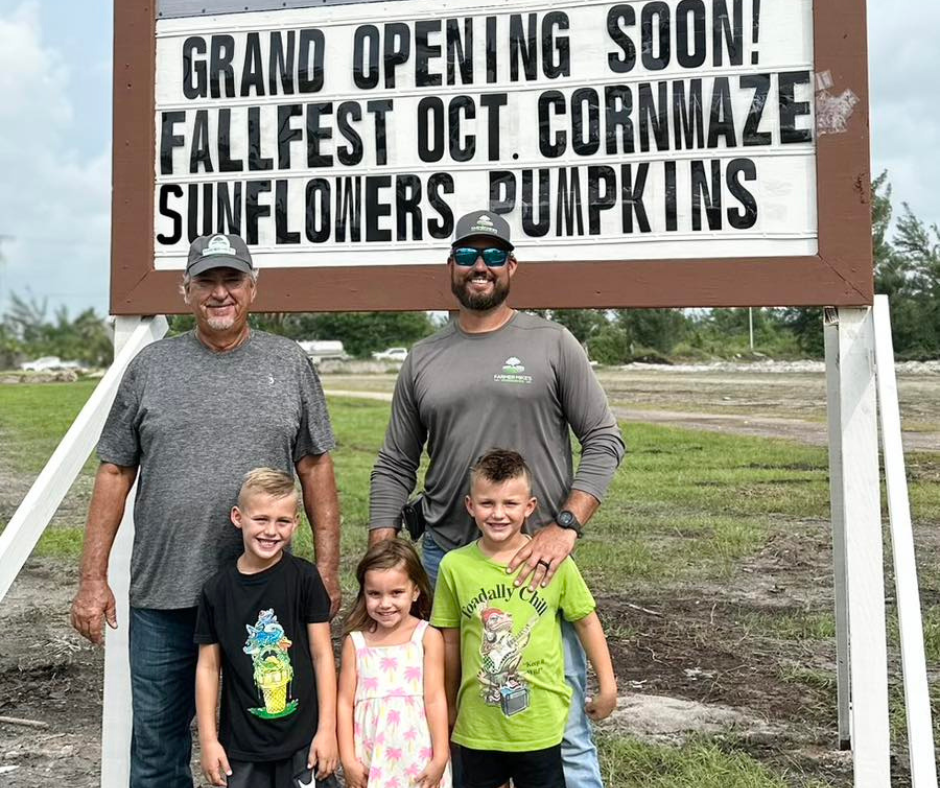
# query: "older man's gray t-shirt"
{"type": "Point", "coordinates": [519, 387]}
{"type": "Point", "coordinates": [196, 422]}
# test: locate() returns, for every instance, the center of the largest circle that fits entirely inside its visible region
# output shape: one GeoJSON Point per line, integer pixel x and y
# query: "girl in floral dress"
{"type": "Point", "coordinates": [392, 709]}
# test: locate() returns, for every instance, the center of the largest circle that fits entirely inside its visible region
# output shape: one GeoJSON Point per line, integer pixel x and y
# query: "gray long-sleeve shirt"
{"type": "Point", "coordinates": [519, 387]}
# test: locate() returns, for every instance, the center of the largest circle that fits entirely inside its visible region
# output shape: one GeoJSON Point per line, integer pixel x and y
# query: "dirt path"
{"type": "Point", "coordinates": [813, 433]}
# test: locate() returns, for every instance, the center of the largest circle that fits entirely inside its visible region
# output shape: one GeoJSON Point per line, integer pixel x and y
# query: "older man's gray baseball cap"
{"type": "Point", "coordinates": [218, 251]}
{"type": "Point", "coordinates": [482, 224]}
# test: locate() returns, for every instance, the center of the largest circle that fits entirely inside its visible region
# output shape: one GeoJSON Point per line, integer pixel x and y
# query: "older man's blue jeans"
{"type": "Point", "coordinates": [163, 692]}
{"type": "Point", "coordinates": [578, 751]}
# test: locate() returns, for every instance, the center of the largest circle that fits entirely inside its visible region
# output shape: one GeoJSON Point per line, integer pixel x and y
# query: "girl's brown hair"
{"type": "Point", "coordinates": [389, 554]}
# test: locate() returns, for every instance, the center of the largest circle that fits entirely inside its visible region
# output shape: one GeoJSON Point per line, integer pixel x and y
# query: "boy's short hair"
{"type": "Point", "coordinates": [500, 465]}
{"type": "Point", "coordinates": [266, 481]}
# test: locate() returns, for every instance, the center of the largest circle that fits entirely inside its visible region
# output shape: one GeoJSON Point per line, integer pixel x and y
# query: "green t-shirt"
{"type": "Point", "coordinates": [513, 694]}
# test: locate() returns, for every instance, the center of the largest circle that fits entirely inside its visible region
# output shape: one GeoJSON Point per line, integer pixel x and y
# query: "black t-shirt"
{"type": "Point", "coordinates": [269, 695]}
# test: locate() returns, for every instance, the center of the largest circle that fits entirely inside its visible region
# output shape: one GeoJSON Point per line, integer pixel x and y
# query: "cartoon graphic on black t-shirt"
{"type": "Point", "coordinates": [267, 645]}
{"type": "Point", "coordinates": [501, 683]}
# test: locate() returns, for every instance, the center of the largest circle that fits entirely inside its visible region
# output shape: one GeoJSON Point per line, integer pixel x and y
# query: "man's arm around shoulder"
{"type": "Point", "coordinates": [94, 603]}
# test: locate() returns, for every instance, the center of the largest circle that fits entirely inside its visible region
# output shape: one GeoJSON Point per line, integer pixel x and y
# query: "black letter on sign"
{"type": "Point", "coordinates": [746, 218]}
{"type": "Point", "coordinates": [226, 164]}
{"type": "Point", "coordinates": [315, 133]}
{"type": "Point", "coordinates": [310, 74]}
{"type": "Point", "coordinates": [169, 140]}
{"type": "Point", "coordinates": [460, 52]}
{"type": "Point", "coordinates": [379, 108]}
{"type": "Point", "coordinates": [425, 52]}
{"type": "Point", "coordinates": [550, 68]}
{"type": "Point", "coordinates": [523, 45]}
{"type": "Point", "coordinates": [532, 228]}
{"type": "Point", "coordinates": [281, 218]}
{"type": "Point", "coordinates": [791, 109]}
{"type": "Point", "coordinates": [194, 68]}
{"type": "Point", "coordinates": [619, 118]}
{"type": "Point", "coordinates": [631, 197]}
{"type": "Point", "coordinates": [285, 134]}
{"type": "Point", "coordinates": [366, 34]}
{"type": "Point", "coordinates": [395, 55]}
{"type": "Point", "coordinates": [459, 151]}
{"type": "Point", "coordinates": [761, 85]}
{"type": "Point", "coordinates": [166, 191]}
{"type": "Point", "coordinates": [689, 131]}
{"type": "Point", "coordinates": [569, 203]}
{"type": "Point", "coordinates": [199, 151]}
{"type": "Point", "coordinates": [654, 115]}
{"type": "Point", "coordinates": [597, 201]}
{"type": "Point", "coordinates": [348, 208]}
{"type": "Point", "coordinates": [728, 32]}
{"type": "Point", "coordinates": [492, 102]}
{"type": "Point", "coordinates": [254, 211]}
{"type": "Point", "coordinates": [281, 63]}
{"type": "Point", "coordinates": [696, 57]}
{"type": "Point", "coordinates": [408, 203]}
{"type": "Point", "coordinates": [430, 110]}
{"type": "Point", "coordinates": [589, 146]}
{"type": "Point", "coordinates": [223, 50]}
{"type": "Point", "coordinates": [345, 113]}
{"type": "Point", "coordinates": [255, 160]}
{"type": "Point", "coordinates": [437, 183]}
{"type": "Point", "coordinates": [229, 210]}
{"type": "Point", "coordinates": [621, 63]}
{"type": "Point", "coordinates": [502, 191]}
{"type": "Point", "coordinates": [670, 175]}
{"type": "Point", "coordinates": [658, 31]}
{"type": "Point", "coordinates": [721, 120]}
{"type": "Point", "coordinates": [711, 197]}
{"type": "Point", "coordinates": [252, 71]}
{"type": "Point", "coordinates": [318, 210]}
{"type": "Point", "coordinates": [376, 209]}
{"type": "Point", "coordinates": [550, 99]}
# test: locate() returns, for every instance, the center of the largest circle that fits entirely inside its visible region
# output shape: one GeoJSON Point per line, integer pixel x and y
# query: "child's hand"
{"type": "Point", "coordinates": [324, 754]}
{"type": "Point", "coordinates": [601, 705]}
{"type": "Point", "coordinates": [432, 774]}
{"type": "Point", "coordinates": [214, 763]}
{"type": "Point", "coordinates": [355, 774]}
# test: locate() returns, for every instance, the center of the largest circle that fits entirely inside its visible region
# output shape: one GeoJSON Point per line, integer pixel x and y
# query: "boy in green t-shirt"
{"type": "Point", "coordinates": [504, 666]}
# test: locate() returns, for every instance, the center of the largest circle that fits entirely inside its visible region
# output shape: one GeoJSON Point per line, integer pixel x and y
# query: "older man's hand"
{"type": "Point", "coordinates": [540, 557]}
{"type": "Point", "coordinates": [93, 605]}
{"type": "Point", "coordinates": [332, 586]}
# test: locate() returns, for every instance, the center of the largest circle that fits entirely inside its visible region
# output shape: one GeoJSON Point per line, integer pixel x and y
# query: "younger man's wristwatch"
{"type": "Point", "coordinates": [568, 521]}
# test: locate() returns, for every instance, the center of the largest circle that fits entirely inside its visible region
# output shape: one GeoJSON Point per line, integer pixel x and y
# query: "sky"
{"type": "Point", "coordinates": [55, 137]}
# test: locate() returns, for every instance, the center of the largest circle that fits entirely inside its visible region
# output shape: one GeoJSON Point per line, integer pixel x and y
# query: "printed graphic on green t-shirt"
{"type": "Point", "coordinates": [513, 696]}
{"type": "Point", "coordinates": [267, 646]}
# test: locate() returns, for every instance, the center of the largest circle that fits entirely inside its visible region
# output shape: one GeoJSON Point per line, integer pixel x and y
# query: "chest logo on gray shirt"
{"type": "Point", "coordinates": [512, 372]}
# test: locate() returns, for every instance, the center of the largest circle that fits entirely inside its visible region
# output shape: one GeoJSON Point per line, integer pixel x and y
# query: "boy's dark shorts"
{"type": "Point", "coordinates": [491, 769]}
{"type": "Point", "coordinates": [286, 773]}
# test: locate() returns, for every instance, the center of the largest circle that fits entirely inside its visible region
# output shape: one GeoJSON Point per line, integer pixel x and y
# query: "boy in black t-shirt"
{"type": "Point", "coordinates": [264, 623]}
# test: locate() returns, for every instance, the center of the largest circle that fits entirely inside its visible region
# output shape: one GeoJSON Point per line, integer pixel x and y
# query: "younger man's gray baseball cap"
{"type": "Point", "coordinates": [482, 224]}
{"type": "Point", "coordinates": [218, 251]}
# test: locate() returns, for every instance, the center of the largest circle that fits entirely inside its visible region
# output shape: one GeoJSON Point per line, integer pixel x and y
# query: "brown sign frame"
{"type": "Point", "coordinates": [840, 274]}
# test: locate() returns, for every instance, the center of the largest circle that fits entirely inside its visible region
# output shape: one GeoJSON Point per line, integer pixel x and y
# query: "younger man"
{"type": "Point", "coordinates": [264, 623]}
{"type": "Point", "coordinates": [504, 665]}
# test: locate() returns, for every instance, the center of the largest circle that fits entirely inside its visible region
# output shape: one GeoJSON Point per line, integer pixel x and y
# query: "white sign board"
{"type": "Point", "coordinates": [356, 134]}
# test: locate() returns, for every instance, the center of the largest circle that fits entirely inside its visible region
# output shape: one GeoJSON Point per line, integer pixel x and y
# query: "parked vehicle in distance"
{"type": "Point", "coordinates": [49, 364]}
{"type": "Point", "coordinates": [324, 350]}
{"type": "Point", "coordinates": [391, 354]}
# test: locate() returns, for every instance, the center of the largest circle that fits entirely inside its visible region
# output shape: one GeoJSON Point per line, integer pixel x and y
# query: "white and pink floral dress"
{"type": "Point", "coordinates": [390, 728]}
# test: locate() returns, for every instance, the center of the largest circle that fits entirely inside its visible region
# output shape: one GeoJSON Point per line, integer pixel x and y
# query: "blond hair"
{"type": "Point", "coordinates": [266, 481]}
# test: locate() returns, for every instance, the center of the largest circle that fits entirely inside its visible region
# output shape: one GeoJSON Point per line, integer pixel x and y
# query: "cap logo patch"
{"type": "Point", "coordinates": [218, 244]}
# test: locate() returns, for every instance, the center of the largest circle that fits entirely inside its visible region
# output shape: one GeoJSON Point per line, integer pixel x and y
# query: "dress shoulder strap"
{"type": "Point", "coordinates": [358, 640]}
{"type": "Point", "coordinates": [418, 635]}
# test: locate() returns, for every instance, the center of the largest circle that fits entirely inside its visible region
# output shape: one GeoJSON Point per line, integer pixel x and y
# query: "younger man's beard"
{"type": "Point", "coordinates": [480, 302]}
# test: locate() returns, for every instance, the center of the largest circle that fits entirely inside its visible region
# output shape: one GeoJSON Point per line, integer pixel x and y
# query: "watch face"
{"type": "Point", "coordinates": [565, 519]}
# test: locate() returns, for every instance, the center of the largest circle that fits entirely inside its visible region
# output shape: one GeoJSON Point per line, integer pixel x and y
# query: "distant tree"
{"type": "Point", "coordinates": [656, 329]}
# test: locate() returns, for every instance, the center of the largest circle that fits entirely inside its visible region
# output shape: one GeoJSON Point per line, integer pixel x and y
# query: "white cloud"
{"type": "Point", "coordinates": [54, 202]}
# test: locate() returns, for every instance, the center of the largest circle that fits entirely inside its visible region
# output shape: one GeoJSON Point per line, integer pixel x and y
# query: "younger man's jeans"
{"type": "Point", "coordinates": [163, 691]}
{"type": "Point", "coordinates": [578, 750]}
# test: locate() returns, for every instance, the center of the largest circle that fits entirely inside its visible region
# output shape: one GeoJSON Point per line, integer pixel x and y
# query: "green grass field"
{"type": "Point", "coordinates": [687, 510]}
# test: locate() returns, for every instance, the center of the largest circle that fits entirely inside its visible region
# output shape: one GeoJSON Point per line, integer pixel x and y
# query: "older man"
{"type": "Point", "coordinates": [495, 377]}
{"type": "Point", "coordinates": [193, 414]}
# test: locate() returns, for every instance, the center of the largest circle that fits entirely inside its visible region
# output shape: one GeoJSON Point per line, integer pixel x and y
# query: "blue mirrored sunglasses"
{"type": "Point", "coordinates": [466, 256]}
